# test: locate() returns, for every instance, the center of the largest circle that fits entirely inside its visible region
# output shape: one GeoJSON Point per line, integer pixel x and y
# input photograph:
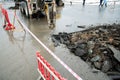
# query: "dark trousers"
{"type": "Point", "coordinates": [101, 2]}
{"type": "Point", "coordinates": [83, 2]}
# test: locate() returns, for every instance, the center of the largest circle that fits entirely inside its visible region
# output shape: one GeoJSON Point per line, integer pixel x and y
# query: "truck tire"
{"type": "Point", "coordinates": [59, 3]}
{"type": "Point", "coordinates": [22, 10]}
{"type": "Point", "coordinates": [26, 11]}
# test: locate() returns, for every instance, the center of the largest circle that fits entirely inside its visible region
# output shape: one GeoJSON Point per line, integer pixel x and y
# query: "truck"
{"type": "Point", "coordinates": [40, 8]}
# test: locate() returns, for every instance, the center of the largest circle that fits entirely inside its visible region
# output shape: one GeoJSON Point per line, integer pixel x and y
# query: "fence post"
{"type": "Point", "coordinates": [7, 26]}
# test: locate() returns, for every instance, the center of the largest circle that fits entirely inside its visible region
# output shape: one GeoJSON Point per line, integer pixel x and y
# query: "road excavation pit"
{"type": "Point", "coordinates": [99, 46]}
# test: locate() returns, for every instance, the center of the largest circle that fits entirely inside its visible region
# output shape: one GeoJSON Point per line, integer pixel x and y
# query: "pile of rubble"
{"type": "Point", "coordinates": [97, 45]}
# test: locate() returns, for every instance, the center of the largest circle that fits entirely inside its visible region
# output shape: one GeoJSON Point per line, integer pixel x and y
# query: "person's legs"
{"type": "Point", "coordinates": [105, 2]}
{"type": "Point", "coordinates": [101, 2]}
{"type": "Point", "coordinates": [83, 2]}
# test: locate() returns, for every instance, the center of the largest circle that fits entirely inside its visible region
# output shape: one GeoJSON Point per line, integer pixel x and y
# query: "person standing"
{"type": "Point", "coordinates": [70, 2]}
{"type": "Point", "coordinates": [105, 3]}
{"type": "Point", "coordinates": [83, 2]}
{"type": "Point", "coordinates": [101, 3]}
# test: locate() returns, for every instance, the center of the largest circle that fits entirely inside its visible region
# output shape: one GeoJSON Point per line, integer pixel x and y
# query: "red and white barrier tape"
{"type": "Point", "coordinates": [58, 59]}
{"type": "Point", "coordinates": [46, 70]}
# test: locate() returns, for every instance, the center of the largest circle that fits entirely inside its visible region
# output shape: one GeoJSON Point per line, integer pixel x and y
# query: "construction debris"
{"type": "Point", "coordinates": [94, 46]}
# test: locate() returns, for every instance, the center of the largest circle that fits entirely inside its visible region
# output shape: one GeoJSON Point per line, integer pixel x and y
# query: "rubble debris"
{"type": "Point", "coordinates": [116, 52]}
{"type": "Point", "coordinates": [55, 39]}
{"type": "Point", "coordinates": [81, 26]}
{"type": "Point", "coordinates": [92, 45]}
{"type": "Point", "coordinates": [69, 25]}
{"type": "Point", "coordinates": [114, 75]}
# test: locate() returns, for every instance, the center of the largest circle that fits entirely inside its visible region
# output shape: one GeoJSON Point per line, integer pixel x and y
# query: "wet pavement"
{"type": "Point", "coordinates": [17, 55]}
{"type": "Point", "coordinates": [78, 15]}
{"type": "Point", "coordinates": [17, 51]}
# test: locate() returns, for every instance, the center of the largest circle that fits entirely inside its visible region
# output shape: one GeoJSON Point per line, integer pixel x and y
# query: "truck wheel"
{"type": "Point", "coordinates": [60, 3]}
{"type": "Point", "coordinates": [24, 8]}
{"type": "Point", "coordinates": [24, 12]}
{"type": "Point", "coordinates": [27, 11]}
{"type": "Point", "coordinates": [21, 10]}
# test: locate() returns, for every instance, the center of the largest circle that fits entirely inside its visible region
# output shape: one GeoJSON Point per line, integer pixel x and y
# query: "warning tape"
{"type": "Point", "coordinates": [40, 42]}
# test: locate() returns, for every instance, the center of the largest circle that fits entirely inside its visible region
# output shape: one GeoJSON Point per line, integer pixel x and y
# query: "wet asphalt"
{"type": "Point", "coordinates": [18, 48]}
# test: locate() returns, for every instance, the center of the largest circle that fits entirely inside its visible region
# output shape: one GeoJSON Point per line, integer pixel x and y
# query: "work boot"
{"type": "Point", "coordinates": [105, 5]}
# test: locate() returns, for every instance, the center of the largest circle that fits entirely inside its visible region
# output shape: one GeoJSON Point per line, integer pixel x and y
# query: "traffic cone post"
{"type": "Point", "coordinates": [8, 25]}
